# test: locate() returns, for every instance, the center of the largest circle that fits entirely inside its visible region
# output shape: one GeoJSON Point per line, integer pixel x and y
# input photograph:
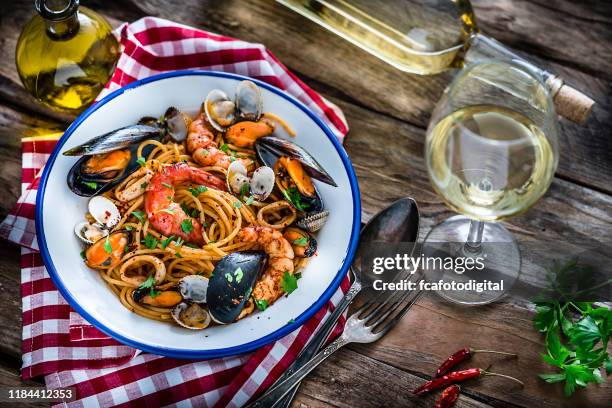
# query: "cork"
{"type": "Point", "coordinates": [572, 104]}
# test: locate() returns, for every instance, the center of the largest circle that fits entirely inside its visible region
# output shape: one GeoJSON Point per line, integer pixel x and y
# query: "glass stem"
{"type": "Point", "coordinates": [474, 239]}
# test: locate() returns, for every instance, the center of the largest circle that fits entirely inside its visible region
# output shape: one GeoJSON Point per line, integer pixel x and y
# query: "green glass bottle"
{"type": "Point", "coordinates": [66, 54]}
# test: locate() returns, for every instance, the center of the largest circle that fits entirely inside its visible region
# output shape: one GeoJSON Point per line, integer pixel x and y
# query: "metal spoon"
{"type": "Point", "coordinates": [399, 222]}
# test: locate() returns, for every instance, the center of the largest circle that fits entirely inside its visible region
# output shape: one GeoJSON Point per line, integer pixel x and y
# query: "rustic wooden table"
{"type": "Point", "coordinates": [387, 111]}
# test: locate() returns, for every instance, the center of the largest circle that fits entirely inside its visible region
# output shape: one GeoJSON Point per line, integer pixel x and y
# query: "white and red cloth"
{"type": "Point", "coordinates": [66, 349]}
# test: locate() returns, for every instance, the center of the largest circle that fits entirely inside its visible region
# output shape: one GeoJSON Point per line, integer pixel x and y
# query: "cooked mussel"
{"type": "Point", "coordinates": [165, 298]}
{"type": "Point", "coordinates": [231, 283]}
{"type": "Point", "coordinates": [109, 158]}
{"type": "Point", "coordinates": [107, 253]}
{"type": "Point", "coordinates": [304, 245]}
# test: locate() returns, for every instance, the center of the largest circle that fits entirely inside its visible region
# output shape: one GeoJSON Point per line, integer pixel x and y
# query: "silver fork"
{"type": "Point", "coordinates": [378, 318]}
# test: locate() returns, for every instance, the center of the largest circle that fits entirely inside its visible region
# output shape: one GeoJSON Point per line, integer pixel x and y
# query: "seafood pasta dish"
{"type": "Point", "coordinates": [202, 219]}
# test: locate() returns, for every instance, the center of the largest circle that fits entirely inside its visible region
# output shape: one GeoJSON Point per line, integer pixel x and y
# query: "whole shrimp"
{"type": "Point", "coordinates": [280, 260]}
{"type": "Point", "coordinates": [167, 216]}
{"type": "Point", "coordinates": [201, 144]}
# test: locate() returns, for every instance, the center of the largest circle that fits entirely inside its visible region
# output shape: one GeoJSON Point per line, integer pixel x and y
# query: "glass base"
{"type": "Point", "coordinates": [493, 269]}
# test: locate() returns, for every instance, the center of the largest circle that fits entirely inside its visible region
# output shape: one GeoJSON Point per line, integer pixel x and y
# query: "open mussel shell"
{"type": "Point", "coordinates": [220, 110]}
{"type": "Point", "coordinates": [231, 283]}
{"type": "Point", "coordinates": [269, 148]}
{"type": "Point", "coordinates": [249, 102]}
{"type": "Point", "coordinates": [193, 316]}
{"type": "Point", "coordinates": [107, 253]}
{"type": "Point", "coordinates": [92, 175]}
{"type": "Point", "coordinates": [193, 288]}
{"type": "Point", "coordinates": [115, 140]}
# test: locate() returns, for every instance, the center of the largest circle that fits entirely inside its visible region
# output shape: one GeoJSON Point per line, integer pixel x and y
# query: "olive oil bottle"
{"type": "Point", "coordinates": [66, 54]}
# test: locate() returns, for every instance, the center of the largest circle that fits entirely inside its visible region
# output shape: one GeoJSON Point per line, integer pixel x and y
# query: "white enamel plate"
{"type": "Point", "coordinates": [58, 210]}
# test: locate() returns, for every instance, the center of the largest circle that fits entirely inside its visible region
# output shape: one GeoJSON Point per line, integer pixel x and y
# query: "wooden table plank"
{"type": "Point", "coordinates": [387, 112]}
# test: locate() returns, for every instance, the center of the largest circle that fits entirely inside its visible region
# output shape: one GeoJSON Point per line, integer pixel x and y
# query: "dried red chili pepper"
{"type": "Point", "coordinates": [448, 397]}
{"type": "Point", "coordinates": [457, 376]}
{"type": "Point", "coordinates": [462, 355]}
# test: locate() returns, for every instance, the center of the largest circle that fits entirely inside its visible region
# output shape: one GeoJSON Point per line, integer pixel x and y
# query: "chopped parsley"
{"type": "Point", "coordinates": [167, 210]}
{"type": "Point", "coordinates": [291, 321]}
{"type": "Point", "coordinates": [150, 284]}
{"type": "Point", "coordinates": [107, 246]}
{"type": "Point", "coordinates": [167, 241]}
{"type": "Point", "coordinates": [262, 304]}
{"type": "Point", "coordinates": [140, 215]}
{"type": "Point", "coordinates": [141, 160]}
{"type": "Point", "coordinates": [83, 254]}
{"type": "Point", "coordinates": [244, 189]}
{"type": "Point", "coordinates": [238, 274]}
{"type": "Point", "coordinates": [178, 255]}
{"type": "Point", "coordinates": [91, 184]}
{"type": "Point", "coordinates": [237, 204]}
{"type": "Point", "coordinates": [224, 147]}
{"type": "Point", "coordinates": [197, 190]}
{"type": "Point", "coordinates": [292, 194]}
{"type": "Point", "coordinates": [129, 228]}
{"type": "Point", "coordinates": [179, 241]}
{"type": "Point", "coordinates": [167, 185]}
{"type": "Point", "coordinates": [301, 241]}
{"type": "Point", "coordinates": [289, 283]}
{"type": "Point", "coordinates": [190, 211]}
{"type": "Point", "coordinates": [249, 200]}
{"type": "Point", "coordinates": [186, 226]}
{"type": "Point", "coordinates": [143, 185]}
{"type": "Point", "coordinates": [150, 241]}
{"type": "Point", "coordinates": [297, 275]}
{"type": "Point", "coordinates": [229, 277]}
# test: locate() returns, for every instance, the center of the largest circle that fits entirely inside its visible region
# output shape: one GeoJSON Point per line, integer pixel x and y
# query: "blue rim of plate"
{"type": "Point", "coordinates": [221, 352]}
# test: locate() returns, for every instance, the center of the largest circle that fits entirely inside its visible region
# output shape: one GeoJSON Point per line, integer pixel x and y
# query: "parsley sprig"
{"type": "Point", "coordinates": [576, 335]}
{"type": "Point", "coordinates": [150, 284]}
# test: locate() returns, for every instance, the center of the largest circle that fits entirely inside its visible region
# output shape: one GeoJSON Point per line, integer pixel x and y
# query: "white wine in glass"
{"type": "Point", "coordinates": [489, 162]}
{"type": "Point", "coordinates": [491, 152]}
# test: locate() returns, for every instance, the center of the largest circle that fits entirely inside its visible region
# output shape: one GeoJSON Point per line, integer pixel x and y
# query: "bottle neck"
{"type": "Point", "coordinates": [61, 17]}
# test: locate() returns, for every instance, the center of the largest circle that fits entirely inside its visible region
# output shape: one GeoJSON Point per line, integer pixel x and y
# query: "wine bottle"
{"type": "Point", "coordinates": [427, 37]}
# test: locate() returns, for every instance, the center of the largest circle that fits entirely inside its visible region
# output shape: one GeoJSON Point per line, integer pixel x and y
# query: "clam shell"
{"type": "Point", "coordinates": [177, 124]}
{"type": "Point", "coordinates": [220, 110]}
{"type": "Point", "coordinates": [313, 222]}
{"type": "Point", "coordinates": [249, 102]}
{"type": "Point", "coordinates": [89, 233]}
{"type": "Point", "coordinates": [193, 288]}
{"type": "Point", "coordinates": [179, 313]}
{"type": "Point", "coordinates": [104, 211]}
{"type": "Point", "coordinates": [236, 176]}
{"type": "Point", "coordinates": [262, 182]}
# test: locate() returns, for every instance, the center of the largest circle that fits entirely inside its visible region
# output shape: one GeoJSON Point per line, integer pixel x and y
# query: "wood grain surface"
{"type": "Point", "coordinates": [388, 112]}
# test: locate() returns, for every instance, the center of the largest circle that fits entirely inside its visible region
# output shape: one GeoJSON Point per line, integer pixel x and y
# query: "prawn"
{"type": "Point", "coordinates": [280, 260]}
{"type": "Point", "coordinates": [201, 144]}
{"type": "Point", "coordinates": [167, 216]}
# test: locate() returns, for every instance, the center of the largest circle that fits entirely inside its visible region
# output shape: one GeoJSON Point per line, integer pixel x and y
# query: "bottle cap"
{"type": "Point", "coordinates": [570, 102]}
{"type": "Point", "coordinates": [56, 10]}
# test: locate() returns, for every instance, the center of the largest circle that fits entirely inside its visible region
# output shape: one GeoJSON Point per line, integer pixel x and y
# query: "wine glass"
{"type": "Point", "coordinates": [491, 152]}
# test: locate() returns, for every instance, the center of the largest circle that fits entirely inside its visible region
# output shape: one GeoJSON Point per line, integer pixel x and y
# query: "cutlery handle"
{"type": "Point", "coordinates": [316, 342]}
{"type": "Point", "coordinates": [273, 395]}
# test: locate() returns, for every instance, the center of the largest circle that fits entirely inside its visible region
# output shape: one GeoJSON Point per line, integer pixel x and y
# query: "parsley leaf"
{"type": "Point", "coordinates": [167, 241]}
{"type": "Point", "coordinates": [244, 189]}
{"type": "Point", "coordinates": [238, 274]}
{"type": "Point", "coordinates": [585, 332]}
{"type": "Point", "coordinates": [107, 246]}
{"type": "Point", "coordinates": [149, 283]}
{"type": "Point", "coordinates": [186, 226]}
{"type": "Point", "coordinates": [167, 185]}
{"type": "Point", "coordinates": [292, 194]}
{"type": "Point", "coordinates": [190, 211]}
{"type": "Point", "coordinates": [289, 283]}
{"type": "Point", "coordinates": [262, 304]}
{"type": "Point", "coordinates": [224, 147]}
{"type": "Point", "coordinates": [91, 184]}
{"type": "Point", "coordinates": [141, 160]}
{"type": "Point", "coordinates": [140, 215]}
{"type": "Point", "coordinates": [197, 190]}
{"type": "Point", "coordinates": [301, 241]}
{"type": "Point", "coordinates": [249, 200]}
{"type": "Point", "coordinates": [237, 204]}
{"type": "Point", "coordinates": [151, 241]}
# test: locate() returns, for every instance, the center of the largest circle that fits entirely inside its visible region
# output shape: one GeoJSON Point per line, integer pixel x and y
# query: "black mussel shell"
{"type": "Point", "coordinates": [270, 146]}
{"type": "Point", "coordinates": [88, 185]}
{"type": "Point", "coordinates": [231, 283]}
{"type": "Point", "coordinates": [116, 140]}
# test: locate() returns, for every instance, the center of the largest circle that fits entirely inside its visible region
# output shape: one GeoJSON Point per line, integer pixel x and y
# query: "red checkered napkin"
{"type": "Point", "coordinates": [66, 349]}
